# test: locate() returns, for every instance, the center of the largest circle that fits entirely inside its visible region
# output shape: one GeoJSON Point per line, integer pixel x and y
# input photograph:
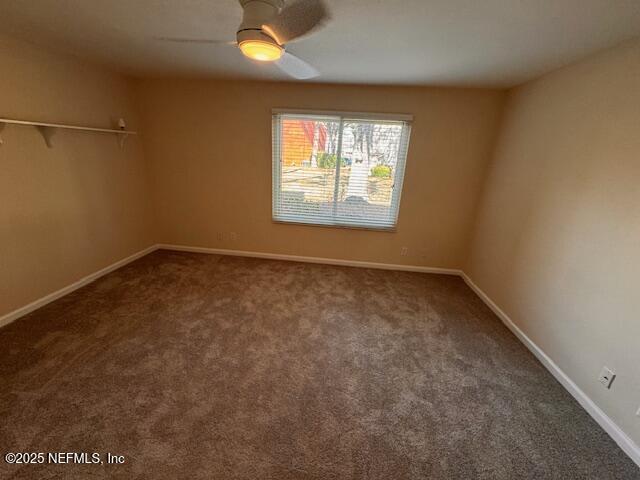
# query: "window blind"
{"type": "Point", "coordinates": [339, 169]}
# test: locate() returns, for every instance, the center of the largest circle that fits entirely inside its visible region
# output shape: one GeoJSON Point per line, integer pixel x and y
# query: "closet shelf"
{"type": "Point", "coordinates": [48, 129]}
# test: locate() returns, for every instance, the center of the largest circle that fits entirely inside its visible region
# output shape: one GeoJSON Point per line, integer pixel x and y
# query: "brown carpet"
{"type": "Point", "coordinates": [200, 366]}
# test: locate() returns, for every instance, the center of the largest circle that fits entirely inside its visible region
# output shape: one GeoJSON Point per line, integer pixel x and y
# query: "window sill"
{"type": "Point", "coordinates": [335, 225]}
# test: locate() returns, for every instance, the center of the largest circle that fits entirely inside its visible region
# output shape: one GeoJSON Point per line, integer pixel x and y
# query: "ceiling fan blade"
{"type": "Point", "coordinates": [194, 40]}
{"type": "Point", "coordinates": [296, 67]}
{"type": "Point", "coordinates": [297, 20]}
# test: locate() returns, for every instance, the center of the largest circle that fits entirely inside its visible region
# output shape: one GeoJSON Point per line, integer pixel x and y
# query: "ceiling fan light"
{"type": "Point", "coordinates": [260, 50]}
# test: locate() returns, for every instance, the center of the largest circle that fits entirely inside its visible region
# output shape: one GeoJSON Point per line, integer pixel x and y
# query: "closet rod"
{"type": "Point", "coordinates": [69, 127]}
{"type": "Point", "coordinates": [48, 129]}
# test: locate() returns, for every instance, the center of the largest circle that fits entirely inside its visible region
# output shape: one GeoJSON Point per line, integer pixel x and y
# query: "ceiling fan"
{"type": "Point", "coordinates": [267, 26]}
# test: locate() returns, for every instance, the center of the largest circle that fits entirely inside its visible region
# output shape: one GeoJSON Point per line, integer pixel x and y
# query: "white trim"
{"type": "Point", "coordinates": [400, 117]}
{"type": "Point", "coordinates": [615, 432]}
{"type": "Point", "coordinates": [299, 258]}
{"type": "Point", "coordinates": [41, 302]}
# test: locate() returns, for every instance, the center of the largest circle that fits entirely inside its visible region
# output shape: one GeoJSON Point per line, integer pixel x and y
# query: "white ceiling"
{"type": "Point", "coordinates": [418, 42]}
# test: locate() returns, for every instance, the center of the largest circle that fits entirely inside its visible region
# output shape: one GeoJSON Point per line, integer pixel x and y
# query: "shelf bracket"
{"type": "Point", "coordinates": [47, 133]}
{"type": "Point", "coordinates": [122, 137]}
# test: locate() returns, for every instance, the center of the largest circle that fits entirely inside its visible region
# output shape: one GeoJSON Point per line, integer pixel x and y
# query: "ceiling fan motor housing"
{"type": "Point", "coordinates": [267, 25]}
{"type": "Point", "coordinates": [256, 14]}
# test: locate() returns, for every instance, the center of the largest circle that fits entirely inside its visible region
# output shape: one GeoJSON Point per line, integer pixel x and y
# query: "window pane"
{"type": "Point", "coordinates": [370, 158]}
{"type": "Point", "coordinates": [307, 168]}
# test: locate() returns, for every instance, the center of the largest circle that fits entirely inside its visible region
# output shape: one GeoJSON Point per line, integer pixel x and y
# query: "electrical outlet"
{"type": "Point", "coordinates": [404, 251]}
{"type": "Point", "coordinates": [606, 377]}
{"type": "Point", "coordinates": [220, 236]}
{"type": "Point", "coordinates": [233, 236]}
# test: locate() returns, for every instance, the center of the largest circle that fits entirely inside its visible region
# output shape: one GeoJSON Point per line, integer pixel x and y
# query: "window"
{"type": "Point", "coordinates": [338, 169]}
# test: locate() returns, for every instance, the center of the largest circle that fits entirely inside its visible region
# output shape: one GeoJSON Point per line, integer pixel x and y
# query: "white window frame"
{"type": "Point", "coordinates": [398, 180]}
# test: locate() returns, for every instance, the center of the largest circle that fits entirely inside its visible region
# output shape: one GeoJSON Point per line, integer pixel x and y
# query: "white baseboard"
{"type": "Point", "coordinates": [322, 260]}
{"type": "Point", "coordinates": [14, 315]}
{"type": "Point", "coordinates": [41, 302]}
{"type": "Point", "coordinates": [609, 426]}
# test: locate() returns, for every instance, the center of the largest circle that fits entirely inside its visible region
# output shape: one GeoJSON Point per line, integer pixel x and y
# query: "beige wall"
{"type": "Point", "coordinates": [71, 210]}
{"type": "Point", "coordinates": [210, 143]}
{"type": "Point", "coordinates": [557, 243]}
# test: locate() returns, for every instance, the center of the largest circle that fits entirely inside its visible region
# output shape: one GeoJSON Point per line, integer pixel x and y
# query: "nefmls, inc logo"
{"type": "Point", "coordinates": [73, 457]}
